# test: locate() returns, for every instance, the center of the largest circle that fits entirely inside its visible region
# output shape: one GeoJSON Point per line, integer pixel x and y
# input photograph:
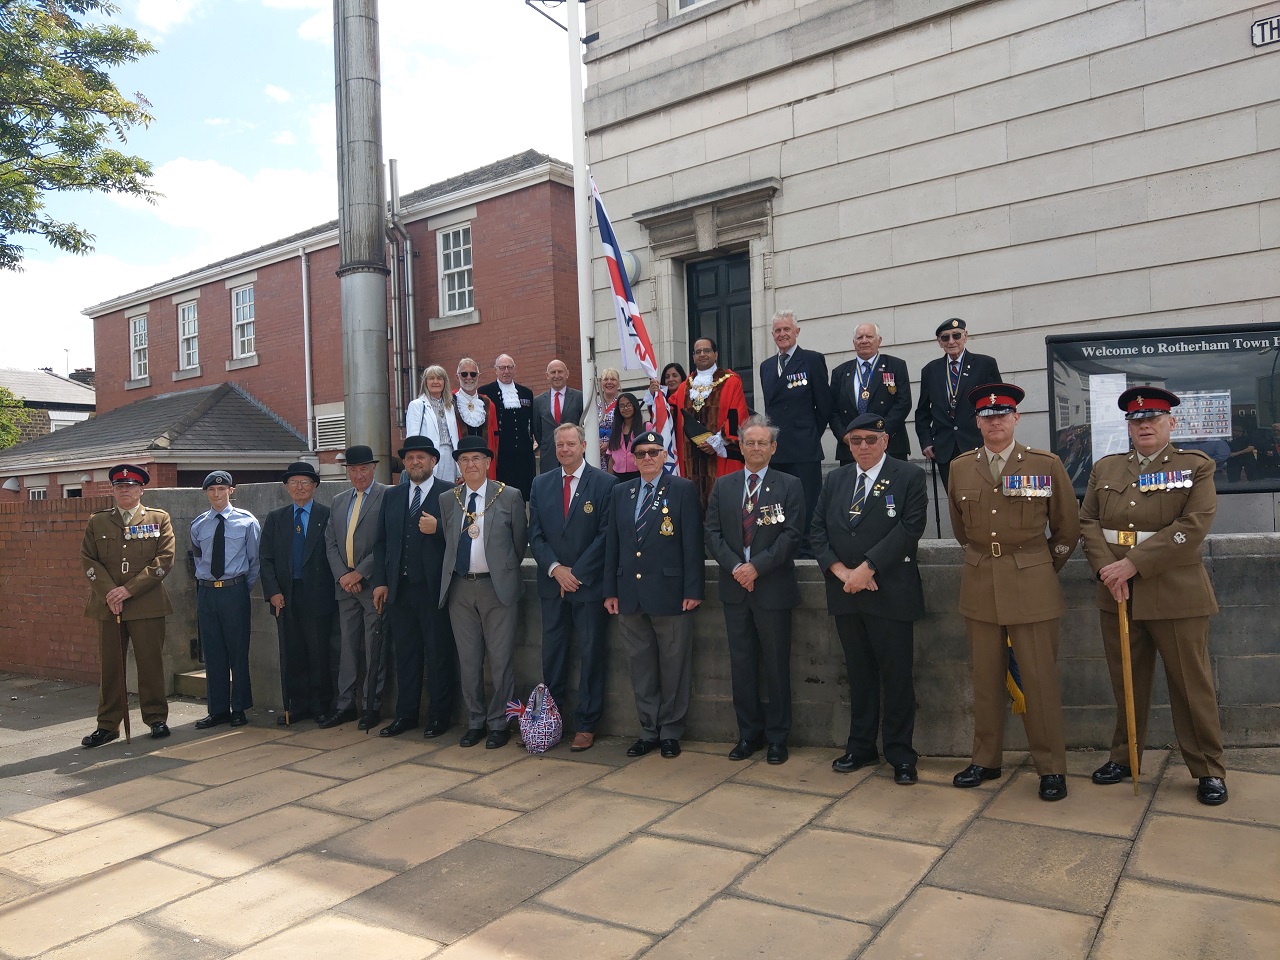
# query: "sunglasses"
{"type": "Point", "coordinates": [862, 441]}
{"type": "Point", "coordinates": [469, 376]}
{"type": "Point", "coordinates": [649, 454]}
{"type": "Point", "coordinates": [957, 335]}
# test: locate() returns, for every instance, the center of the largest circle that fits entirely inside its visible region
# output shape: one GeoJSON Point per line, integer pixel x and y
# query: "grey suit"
{"type": "Point", "coordinates": [356, 615]}
{"type": "Point", "coordinates": [544, 424]}
{"type": "Point", "coordinates": [482, 607]}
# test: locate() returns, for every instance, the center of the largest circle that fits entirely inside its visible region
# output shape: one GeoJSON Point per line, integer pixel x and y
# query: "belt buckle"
{"type": "Point", "coordinates": [995, 549]}
{"type": "Point", "coordinates": [217, 583]}
{"type": "Point", "coordinates": [1127, 538]}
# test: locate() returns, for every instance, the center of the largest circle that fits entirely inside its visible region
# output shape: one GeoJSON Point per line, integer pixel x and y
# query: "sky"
{"type": "Point", "coordinates": [242, 143]}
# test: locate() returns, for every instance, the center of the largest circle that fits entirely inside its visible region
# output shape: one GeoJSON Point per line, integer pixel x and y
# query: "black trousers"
{"type": "Point", "coordinates": [760, 638]}
{"type": "Point", "coordinates": [878, 657]}
{"type": "Point", "coordinates": [560, 618]}
{"type": "Point", "coordinates": [422, 639]}
{"type": "Point", "coordinates": [809, 473]}
{"type": "Point", "coordinates": [309, 671]}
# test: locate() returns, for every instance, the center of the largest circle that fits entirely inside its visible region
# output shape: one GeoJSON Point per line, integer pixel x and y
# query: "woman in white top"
{"type": "Point", "coordinates": [431, 415]}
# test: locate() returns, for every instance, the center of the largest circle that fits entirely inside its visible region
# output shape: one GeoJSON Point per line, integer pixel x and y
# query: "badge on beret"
{"type": "Point", "coordinates": [1179, 537]}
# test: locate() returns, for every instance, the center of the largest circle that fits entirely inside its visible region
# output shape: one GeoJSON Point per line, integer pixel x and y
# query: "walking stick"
{"type": "Point", "coordinates": [283, 641]}
{"type": "Point", "coordinates": [1126, 670]}
{"type": "Point", "coordinates": [937, 512]}
{"type": "Point", "coordinates": [124, 683]}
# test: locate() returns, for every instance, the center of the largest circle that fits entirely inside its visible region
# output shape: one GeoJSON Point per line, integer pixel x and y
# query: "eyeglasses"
{"type": "Point", "coordinates": [649, 454]}
{"type": "Point", "coordinates": [862, 441]}
{"type": "Point", "coordinates": [468, 375]}
{"type": "Point", "coordinates": [755, 444]}
{"type": "Point", "coordinates": [955, 335]}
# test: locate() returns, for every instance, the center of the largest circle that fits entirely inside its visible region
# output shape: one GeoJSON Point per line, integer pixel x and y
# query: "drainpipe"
{"type": "Point", "coordinates": [306, 346]}
{"type": "Point", "coordinates": [410, 314]}
{"type": "Point", "coordinates": [395, 323]}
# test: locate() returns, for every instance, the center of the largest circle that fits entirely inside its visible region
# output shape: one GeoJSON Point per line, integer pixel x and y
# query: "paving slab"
{"type": "Point", "coordinates": [241, 764]}
{"type": "Point", "coordinates": [1254, 760]}
{"type": "Point", "coordinates": [1044, 866]}
{"type": "Point", "coordinates": [58, 776]}
{"type": "Point", "coordinates": [1231, 858]}
{"type": "Point", "coordinates": [11, 888]}
{"type": "Point", "coordinates": [731, 928]}
{"type": "Point", "coordinates": [99, 806]}
{"type": "Point", "coordinates": [529, 932]}
{"type": "Point", "coordinates": [839, 874]}
{"type": "Point", "coordinates": [252, 907]}
{"type": "Point", "coordinates": [92, 849]}
{"type": "Point", "coordinates": [222, 741]}
{"type": "Point", "coordinates": [529, 785]}
{"type": "Point", "coordinates": [808, 770]}
{"type": "Point", "coordinates": [1253, 798]}
{"type": "Point", "coordinates": [1156, 921]}
{"type": "Point", "coordinates": [649, 883]}
{"type": "Point", "coordinates": [679, 779]}
{"type": "Point", "coordinates": [741, 816]}
{"type": "Point", "coordinates": [582, 824]}
{"type": "Point", "coordinates": [963, 926]}
{"type": "Point", "coordinates": [378, 794]}
{"type": "Point", "coordinates": [1082, 763]}
{"type": "Point", "coordinates": [1111, 810]}
{"type": "Point", "coordinates": [333, 937]}
{"type": "Point", "coordinates": [611, 751]}
{"type": "Point", "coordinates": [14, 836]}
{"type": "Point", "coordinates": [133, 940]}
{"type": "Point", "coordinates": [940, 770]}
{"type": "Point", "coordinates": [920, 813]}
{"type": "Point", "coordinates": [359, 759]}
{"type": "Point", "coordinates": [471, 759]}
{"type": "Point", "coordinates": [243, 798]}
{"type": "Point", "coordinates": [458, 892]}
{"type": "Point", "coordinates": [408, 837]}
{"type": "Point", "coordinates": [314, 738]}
{"type": "Point", "coordinates": [41, 922]}
{"type": "Point", "coordinates": [256, 841]}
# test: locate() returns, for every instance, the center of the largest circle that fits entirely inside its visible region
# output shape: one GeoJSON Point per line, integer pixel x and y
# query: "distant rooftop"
{"type": "Point", "coordinates": [45, 390]}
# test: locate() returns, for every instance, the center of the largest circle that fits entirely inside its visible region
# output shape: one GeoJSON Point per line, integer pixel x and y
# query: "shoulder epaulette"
{"type": "Point", "coordinates": [1194, 453]}
{"type": "Point", "coordinates": [968, 453]}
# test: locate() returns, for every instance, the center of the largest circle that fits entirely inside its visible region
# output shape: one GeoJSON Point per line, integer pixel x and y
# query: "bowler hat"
{"type": "Point", "coordinates": [359, 454]}
{"type": "Point", "coordinates": [418, 443]}
{"type": "Point", "coordinates": [472, 444]}
{"type": "Point", "coordinates": [300, 469]}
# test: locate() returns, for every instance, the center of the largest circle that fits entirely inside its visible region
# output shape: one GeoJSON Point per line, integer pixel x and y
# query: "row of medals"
{"type": "Point", "coordinates": [1164, 480]}
{"type": "Point", "coordinates": [1019, 486]}
{"type": "Point", "coordinates": [770, 514]}
{"type": "Point", "coordinates": [145, 531]}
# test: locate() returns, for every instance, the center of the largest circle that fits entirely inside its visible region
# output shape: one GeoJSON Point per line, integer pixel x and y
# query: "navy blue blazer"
{"type": "Point", "coordinates": [389, 547]}
{"type": "Point", "coordinates": [951, 431]}
{"type": "Point", "coordinates": [773, 545]}
{"type": "Point", "coordinates": [576, 542]}
{"type": "Point", "coordinates": [799, 402]}
{"type": "Point", "coordinates": [892, 403]}
{"type": "Point", "coordinates": [890, 543]}
{"type": "Point", "coordinates": [275, 556]}
{"type": "Point", "coordinates": [654, 575]}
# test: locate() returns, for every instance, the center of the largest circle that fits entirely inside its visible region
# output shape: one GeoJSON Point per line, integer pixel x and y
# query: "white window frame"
{"type": "Point", "coordinates": [188, 339]}
{"type": "Point", "coordinates": [454, 260]}
{"type": "Point", "coordinates": [243, 319]}
{"type": "Point", "coordinates": [139, 362]}
{"type": "Point", "coordinates": [677, 7]}
{"type": "Point", "coordinates": [37, 493]}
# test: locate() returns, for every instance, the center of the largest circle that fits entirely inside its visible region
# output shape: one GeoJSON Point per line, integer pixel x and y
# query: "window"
{"type": "Point", "coordinates": [242, 341]}
{"type": "Point", "coordinates": [138, 366]}
{"type": "Point", "coordinates": [38, 493]}
{"type": "Point", "coordinates": [455, 270]}
{"type": "Point", "coordinates": [188, 337]}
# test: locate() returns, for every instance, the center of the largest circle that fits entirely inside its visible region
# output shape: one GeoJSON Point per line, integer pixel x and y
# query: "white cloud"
{"type": "Point", "coordinates": [162, 16]}
{"type": "Point", "coordinates": [217, 121]}
{"type": "Point", "coordinates": [318, 27]}
{"type": "Point", "coordinates": [285, 138]}
{"type": "Point", "coordinates": [278, 94]}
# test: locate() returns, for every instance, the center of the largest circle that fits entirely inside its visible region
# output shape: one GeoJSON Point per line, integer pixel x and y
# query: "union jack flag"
{"type": "Point", "coordinates": [637, 348]}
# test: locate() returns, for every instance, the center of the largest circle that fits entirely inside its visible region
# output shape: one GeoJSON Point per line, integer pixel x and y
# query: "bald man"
{"type": "Point", "coordinates": [513, 403]}
{"type": "Point", "coordinates": [560, 403]}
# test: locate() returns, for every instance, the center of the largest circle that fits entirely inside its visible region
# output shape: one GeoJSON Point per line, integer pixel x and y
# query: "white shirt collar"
{"type": "Point", "coordinates": [577, 474]}
{"type": "Point", "coordinates": [424, 486]}
{"type": "Point", "coordinates": [873, 360]}
{"type": "Point", "coordinates": [873, 473]}
{"type": "Point", "coordinates": [704, 377]}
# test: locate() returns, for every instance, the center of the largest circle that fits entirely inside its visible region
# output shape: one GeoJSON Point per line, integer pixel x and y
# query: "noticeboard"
{"type": "Point", "coordinates": [1228, 379]}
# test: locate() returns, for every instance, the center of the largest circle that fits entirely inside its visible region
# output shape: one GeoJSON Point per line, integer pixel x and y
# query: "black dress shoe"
{"type": "Point", "coordinates": [497, 738]}
{"type": "Point", "coordinates": [744, 749]}
{"type": "Point", "coordinates": [436, 728]}
{"type": "Point", "coordinates": [973, 775]}
{"type": "Point", "coordinates": [777, 753]}
{"type": "Point", "coordinates": [368, 720]}
{"type": "Point", "coordinates": [472, 737]}
{"type": "Point", "coordinates": [1053, 786]}
{"type": "Point", "coordinates": [238, 719]}
{"type": "Point", "coordinates": [641, 747]}
{"type": "Point", "coordinates": [1211, 791]}
{"type": "Point", "coordinates": [159, 730]}
{"type": "Point", "coordinates": [904, 774]}
{"type": "Point", "coordinates": [397, 727]}
{"type": "Point", "coordinates": [670, 748]}
{"type": "Point", "coordinates": [850, 762]}
{"type": "Point", "coordinates": [98, 738]}
{"type": "Point", "coordinates": [213, 720]}
{"type": "Point", "coordinates": [336, 718]}
{"type": "Point", "coordinates": [1111, 772]}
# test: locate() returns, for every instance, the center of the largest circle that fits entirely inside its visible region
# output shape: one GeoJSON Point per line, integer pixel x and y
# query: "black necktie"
{"type": "Point", "coordinates": [299, 538]}
{"type": "Point", "coordinates": [218, 562]}
{"type": "Point", "coordinates": [462, 564]}
{"type": "Point", "coordinates": [416, 502]}
{"type": "Point", "coordinates": [863, 398]}
{"type": "Point", "coordinates": [859, 498]}
{"type": "Point", "coordinates": [646, 508]}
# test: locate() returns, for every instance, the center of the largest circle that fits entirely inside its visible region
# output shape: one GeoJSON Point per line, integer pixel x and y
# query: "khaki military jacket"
{"type": "Point", "coordinates": [138, 557]}
{"type": "Point", "coordinates": [1171, 581]}
{"type": "Point", "coordinates": [1014, 545]}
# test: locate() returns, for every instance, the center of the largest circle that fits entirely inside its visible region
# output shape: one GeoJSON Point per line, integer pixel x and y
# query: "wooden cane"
{"type": "Point", "coordinates": [1126, 670]}
{"type": "Point", "coordinates": [124, 676]}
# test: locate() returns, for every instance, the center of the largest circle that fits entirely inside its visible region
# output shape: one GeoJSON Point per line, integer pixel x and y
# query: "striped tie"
{"type": "Point", "coordinates": [749, 510]}
{"type": "Point", "coordinates": [859, 498]}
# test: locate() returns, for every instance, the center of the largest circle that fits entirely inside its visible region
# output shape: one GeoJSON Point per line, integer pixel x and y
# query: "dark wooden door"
{"type": "Point", "coordinates": [720, 308]}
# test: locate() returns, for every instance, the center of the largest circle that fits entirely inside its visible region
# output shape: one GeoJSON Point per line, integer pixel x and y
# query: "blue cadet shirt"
{"type": "Point", "coordinates": [241, 535]}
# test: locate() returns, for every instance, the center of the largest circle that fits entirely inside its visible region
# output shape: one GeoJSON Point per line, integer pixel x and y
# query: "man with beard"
{"type": "Point", "coordinates": [708, 408]}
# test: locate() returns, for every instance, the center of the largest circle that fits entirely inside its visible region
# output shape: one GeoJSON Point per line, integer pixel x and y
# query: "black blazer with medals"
{"type": "Point", "coordinates": [799, 402]}
{"type": "Point", "coordinates": [949, 431]}
{"type": "Point", "coordinates": [656, 573]}
{"type": "Point", "coordinates": [890, 398]}
{"type": "Point", "coordinates": [576, 542]}
{"type": "Point", "coordinates": [388, 552]}
{"type": "Point", "coordinates": [773, 545]}
{"type": "Point", "coordinates": [276, 559]}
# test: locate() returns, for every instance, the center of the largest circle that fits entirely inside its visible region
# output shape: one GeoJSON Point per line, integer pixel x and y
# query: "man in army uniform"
{"type": "Point", "coordinates": [127, 551]}
{"type": "Point", "coordinates": [1002, 497]}
{"type": "Point", "coordinates": [1144, 517]}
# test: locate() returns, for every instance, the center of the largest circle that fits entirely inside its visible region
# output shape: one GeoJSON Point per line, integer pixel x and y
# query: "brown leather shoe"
{"type": "Point", "coordinates": [582, 740]}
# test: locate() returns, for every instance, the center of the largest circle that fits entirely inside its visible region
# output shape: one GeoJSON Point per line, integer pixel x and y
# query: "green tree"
{"type": "Point", "coordinates": [60, 115]}
{"type": "Point", "coordinates": [13, 417]}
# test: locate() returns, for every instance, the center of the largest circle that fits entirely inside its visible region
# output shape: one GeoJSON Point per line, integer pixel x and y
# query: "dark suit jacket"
{"type": "Point", "coordinates": [514, 461]}
{"type": "Point", "coordinates": [544, 424]}
{"type": "Point", "coordinates": [799, 402]}
{"type": "Point", "coordinates": [888, 542]}
{"type": "Point", "coordinates": [894, 405]}
{"type": "Point", "coordinates": [576, 542]}
{"type": "Point", "coordinates": [506, 534]}
{"type": "Point", "coordinates": [388, 551]}
{"type": "Point", "coordinates": [656, 574]}
{"type": "Point", "coordinates": [951, 432]}
{"type": "Point", "coordinates": [773, 545]}
{"type": "Point", "coordinates": [275, 554]}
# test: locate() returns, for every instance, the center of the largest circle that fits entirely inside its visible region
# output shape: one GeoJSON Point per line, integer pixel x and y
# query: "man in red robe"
{"type": "Point", "coordinates": [475, 412]}
{"type": "Point", "coordinates": [708, 408]}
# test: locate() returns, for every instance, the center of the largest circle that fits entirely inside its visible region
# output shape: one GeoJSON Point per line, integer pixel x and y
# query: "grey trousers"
{"type": "Point", "coordinates": [356, 618]}
{"type": "Point", "coordinates": [660, 652]}
{"type": "Point", "coordinates": [483, 626]}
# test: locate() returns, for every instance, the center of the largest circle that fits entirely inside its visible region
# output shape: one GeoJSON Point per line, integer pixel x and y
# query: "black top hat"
{"type": "Point", "coordinates": [866, 421]}
{"type": "Point", "coordinates": [649, 439]}
{"type": "Point", "coordinates": [300, 469]}
{"type": "Point", "coordinates": [1139, 403]}
{"type": "Point", "coordinates": [357, 455]}
{"type": "Point", "coordinates": [218, 477]}
{"type": "Point", "coordinates": [955, 323]}
{"type": "Point", "coordinates": [418, 442]}
{"type": "Point", "coordinates": [471, 444]}
{"type": "Point", "coordinates": [992, 399]}
{"type": "Point", "coordinates": [128, 473]}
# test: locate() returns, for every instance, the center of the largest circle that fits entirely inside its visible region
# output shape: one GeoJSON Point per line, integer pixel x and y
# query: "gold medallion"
{"type": "Point", "coordinates": [668, 528]}
{"type": "Point", "coordinates": [473, 531]}
{"type": "Point", "coordinates": [587, 507]}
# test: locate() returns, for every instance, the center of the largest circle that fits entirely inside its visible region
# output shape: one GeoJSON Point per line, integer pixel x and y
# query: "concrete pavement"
{"type": "Point", "coordinates": [270, 842]}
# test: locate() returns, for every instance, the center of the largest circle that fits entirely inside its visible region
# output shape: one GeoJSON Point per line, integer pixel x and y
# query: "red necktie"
{"type": "Point", "coordinates": [558, 421]}
{"type": "Point", "coordinates": [749, 509]}
{"type": "Point", "coordinates": [568, 493]}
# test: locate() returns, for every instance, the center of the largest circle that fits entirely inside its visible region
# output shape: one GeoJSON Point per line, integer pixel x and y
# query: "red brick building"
{"type": "Point", "coordinates": [493, 270]}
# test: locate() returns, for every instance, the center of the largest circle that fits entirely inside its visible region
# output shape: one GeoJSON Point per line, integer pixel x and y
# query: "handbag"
{"type": "Point", "coordinates": [540, 725]}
